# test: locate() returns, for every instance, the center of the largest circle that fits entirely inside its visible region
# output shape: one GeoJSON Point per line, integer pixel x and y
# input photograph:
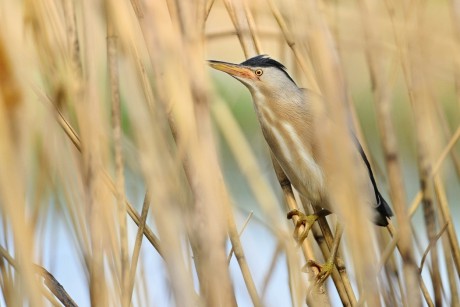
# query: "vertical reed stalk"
{"type": "Point", "coordinates": [112, 64]}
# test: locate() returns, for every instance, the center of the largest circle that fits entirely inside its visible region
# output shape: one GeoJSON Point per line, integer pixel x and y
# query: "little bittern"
{"type": "Point", "coordinates": [285, 113]}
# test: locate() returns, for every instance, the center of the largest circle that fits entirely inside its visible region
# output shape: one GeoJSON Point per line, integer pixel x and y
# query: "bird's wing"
{"type": "Point", "coordinates": [382, 206]}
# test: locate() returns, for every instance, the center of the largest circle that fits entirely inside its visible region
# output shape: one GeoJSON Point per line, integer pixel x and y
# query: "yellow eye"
{"type": "Point", "coordinates": [259, 72]}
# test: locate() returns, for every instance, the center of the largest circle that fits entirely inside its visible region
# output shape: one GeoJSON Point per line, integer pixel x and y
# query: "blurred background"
{"type": "Point", "coordinates": [131, 172]}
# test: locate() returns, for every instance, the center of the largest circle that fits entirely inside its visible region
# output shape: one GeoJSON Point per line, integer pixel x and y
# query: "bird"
{"type": "Point", "coordinates": [286, 113]}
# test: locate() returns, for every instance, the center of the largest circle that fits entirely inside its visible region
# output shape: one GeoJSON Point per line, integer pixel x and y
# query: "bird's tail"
{"type": "Point", "coordinates": [384, 211]}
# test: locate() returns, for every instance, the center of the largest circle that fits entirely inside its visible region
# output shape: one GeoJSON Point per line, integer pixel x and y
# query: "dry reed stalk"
{"type": "Point", "coordinates": [161, 174]}
{"type": "Point", "coordinates": [252, 26]}
{"type": "Point", "coordinates": [73, 43]}
{"type": "Point", "coordinates": [303, 61]}
{"type": "Point", "coordinates": [436, 167]}
{"type": "Point", "coordinates": [381, 93]}
{"type": "Point", "coordinates": [346, 285]}
{"type": "Point", "coordinates": [248, 165]}
{"type": "Point", "coordinates": [450, 267]}
{"type": "Point", "coordinates": [247, 45]}
{"type": "Point", "coordinates": [239, 254]}
{"type": "Point", "coordinates": [455, 11]}
{"type": "Point", "coordinates": [291, 204]}
{"type": "Point", "coordinates": [246, 222]}
{"type": "Point", "coordinates": [323, 236]}
{"type": "Point", "coordinates": [113, 72]}
{"type": "Point", "coordinates": [230, 129]}
{"type": "Point", "coordinates": [12, 185]}
{"type": "Point", "coordinates": [447, 133]}
{"type": "Point", "coordinates": [137, 249]}
{"type": "Point", "coordinates": [166, 204]}
{"type": "Point", "coordinates": [265, 33]}
{"type": "Point", "coordinates": [98, 200]}
{"type": "Point", "coordinates": [171, 252]}
{"type": "Point", "coordinates": [75, 139]}
{"type": "Point", "coordinates": [269, 274]}
{"type": "Point", "coordinates": [236, 11]}
{"type": "Point", "coordinates": [330, 78]}
{"type": "Point", "coordinates": [447, 217]}
{"type": "Point", "coordinates": [50, 282]}
{"type": "Point", "coordinates": [193, 134]}
{"type": "Point", "coordinates": [246, 160]}
{"type": "Point", "coordinates": [208, 8]}
{"type": "Point", "coordinates": [415, 75]}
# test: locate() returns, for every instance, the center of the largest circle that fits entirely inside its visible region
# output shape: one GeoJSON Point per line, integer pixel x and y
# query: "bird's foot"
{"type": "Point", "coordinates": [325, 270]}
{"type": "Point", "coordinates": [306, 221]}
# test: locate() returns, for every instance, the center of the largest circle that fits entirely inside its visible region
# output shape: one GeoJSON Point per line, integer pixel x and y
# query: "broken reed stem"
{"type": "Point", "coordinates": [50, 281]}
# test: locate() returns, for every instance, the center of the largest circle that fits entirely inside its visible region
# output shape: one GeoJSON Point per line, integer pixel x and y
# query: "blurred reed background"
{"type": "Point", "coordinates": [129, 171]}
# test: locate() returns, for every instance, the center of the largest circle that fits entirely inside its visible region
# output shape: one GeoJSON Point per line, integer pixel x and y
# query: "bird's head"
{"type": "Point", "coordinates": [260, 74]}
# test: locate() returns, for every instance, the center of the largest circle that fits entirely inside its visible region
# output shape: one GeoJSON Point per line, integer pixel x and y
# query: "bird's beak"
{"type": "Point", "coordinates": [234, 70]}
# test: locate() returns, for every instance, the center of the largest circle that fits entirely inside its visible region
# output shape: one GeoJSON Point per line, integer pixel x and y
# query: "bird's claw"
{"type": "Point", "coordinates": [304, 220]}
{"type": "Point", "coordinates": [324, 270]}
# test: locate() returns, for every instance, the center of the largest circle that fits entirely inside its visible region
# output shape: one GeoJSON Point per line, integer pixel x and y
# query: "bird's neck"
{"type": "Point", "coordinates": [286, 124]}
{"type": "Point", "coordinates": [274, 107]}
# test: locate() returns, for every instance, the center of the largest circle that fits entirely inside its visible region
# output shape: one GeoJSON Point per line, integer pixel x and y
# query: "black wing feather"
{"type": "Point", "coordinates": [382, 206]}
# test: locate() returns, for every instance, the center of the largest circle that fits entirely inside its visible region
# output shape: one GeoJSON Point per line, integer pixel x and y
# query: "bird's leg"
{"type": "Point", "coordinates": [326, 269]}
{"type": "Point", "coordinates": [305, 220]}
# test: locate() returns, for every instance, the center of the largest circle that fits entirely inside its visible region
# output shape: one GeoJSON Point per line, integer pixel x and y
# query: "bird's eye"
{"type": "Point", "coordinates": [259, 72]}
